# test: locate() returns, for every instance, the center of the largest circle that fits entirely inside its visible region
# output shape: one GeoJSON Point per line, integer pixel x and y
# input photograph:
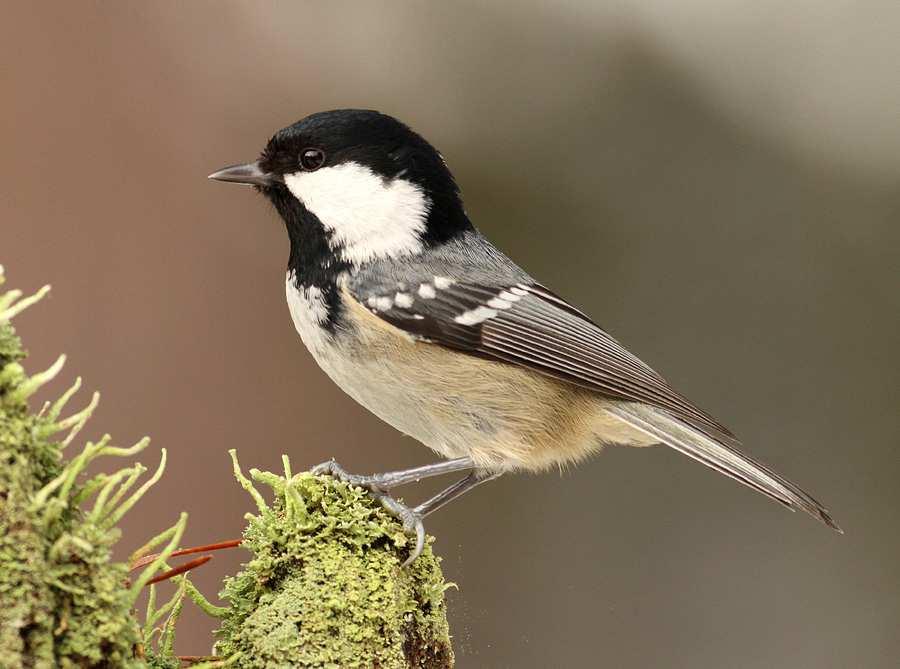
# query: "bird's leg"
{"type": "Point", "coordinates": [458, 489]}
{"type": "Point", "coordinates": [412, 517]}
{"type": "Point", "coordinates": [388, 480]}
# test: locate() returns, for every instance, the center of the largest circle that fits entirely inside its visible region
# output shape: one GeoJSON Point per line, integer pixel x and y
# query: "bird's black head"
{"type": "Point", "coordinates": [359, 182]}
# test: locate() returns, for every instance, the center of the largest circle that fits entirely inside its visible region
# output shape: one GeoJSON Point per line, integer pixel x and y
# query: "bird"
{"type": "Point", "coordinates": [410, 310]}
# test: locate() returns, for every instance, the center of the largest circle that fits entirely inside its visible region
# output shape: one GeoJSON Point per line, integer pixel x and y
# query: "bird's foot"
{"type": "Point", "coordinates": [410, 518]}
{"type": "Point", "coordinates": [335, 470]}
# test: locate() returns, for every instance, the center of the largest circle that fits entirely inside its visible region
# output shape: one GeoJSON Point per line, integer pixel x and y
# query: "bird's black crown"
{"type": "Point", "coordinates": [381, 143]}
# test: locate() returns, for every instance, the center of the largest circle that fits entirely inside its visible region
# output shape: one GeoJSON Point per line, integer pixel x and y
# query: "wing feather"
{"type": "Point", "coordinates": [538, 330]}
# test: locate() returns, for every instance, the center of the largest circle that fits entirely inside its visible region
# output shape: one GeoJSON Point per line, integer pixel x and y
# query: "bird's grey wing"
{"type": "Point", "coordinates": [526, 324]}
{"type": "Point", "coordinates": [523, 323]}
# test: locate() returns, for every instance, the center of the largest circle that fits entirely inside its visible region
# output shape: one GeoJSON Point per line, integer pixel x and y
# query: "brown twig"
{"type": "Point", "coordinates": [180, 569]}
{"type": "Point", "coordinates": [147, 559]}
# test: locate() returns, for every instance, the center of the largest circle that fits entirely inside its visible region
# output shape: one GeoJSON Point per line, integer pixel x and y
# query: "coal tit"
{"type": "Point", "coordinates": [419, 318]}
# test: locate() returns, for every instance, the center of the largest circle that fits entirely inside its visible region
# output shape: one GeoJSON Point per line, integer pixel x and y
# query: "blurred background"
{"type": "Point", "coordinates": [718, 183]}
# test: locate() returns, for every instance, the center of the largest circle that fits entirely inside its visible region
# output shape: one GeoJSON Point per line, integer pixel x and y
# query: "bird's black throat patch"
{"type": "Point", "coordinates": [314, 259]}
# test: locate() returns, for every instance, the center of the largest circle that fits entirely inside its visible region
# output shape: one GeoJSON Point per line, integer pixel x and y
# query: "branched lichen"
{"type": "Point", "coordinates": [63, 601]}
{"type": "Point", "coordinates": [325, 587]}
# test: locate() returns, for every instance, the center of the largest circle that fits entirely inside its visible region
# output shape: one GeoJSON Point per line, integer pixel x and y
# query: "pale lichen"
{"type": "Point", "coordinates": [63, 601]}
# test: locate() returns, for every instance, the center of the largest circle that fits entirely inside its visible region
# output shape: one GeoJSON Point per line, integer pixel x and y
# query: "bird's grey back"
{"type": "Point", "coordinates": [469, 257]}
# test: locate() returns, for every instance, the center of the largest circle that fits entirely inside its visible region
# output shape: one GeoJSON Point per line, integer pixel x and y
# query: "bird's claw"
{"type": "Point", "coordinates": [413, 526]}
{"type": "Point", "coordinates": [410, 518]}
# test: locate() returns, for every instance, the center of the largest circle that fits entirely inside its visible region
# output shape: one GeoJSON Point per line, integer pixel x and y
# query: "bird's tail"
{"type": "Point", "coordinates": [720, 453]}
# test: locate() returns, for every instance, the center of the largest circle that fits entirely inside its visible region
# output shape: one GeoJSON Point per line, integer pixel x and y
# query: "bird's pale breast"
{"type": "Point", "coordinates": [503, 416]}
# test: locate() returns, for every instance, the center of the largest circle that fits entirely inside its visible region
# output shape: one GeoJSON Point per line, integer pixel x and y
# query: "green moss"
{"type": "Point", "coordinates": [63, 602]}
{"type": "Point", "coordinates": [10, 346]}
{"type": "Point", "coordinates": [325, 587]}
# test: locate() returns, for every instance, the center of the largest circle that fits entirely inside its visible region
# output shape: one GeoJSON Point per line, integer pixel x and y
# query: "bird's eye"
{"type": "Point", "coordinates": [312, 159]}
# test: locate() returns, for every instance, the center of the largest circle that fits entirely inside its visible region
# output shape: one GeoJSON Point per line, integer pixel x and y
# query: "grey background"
{"type": "Point", "coordinates": [716, 182]}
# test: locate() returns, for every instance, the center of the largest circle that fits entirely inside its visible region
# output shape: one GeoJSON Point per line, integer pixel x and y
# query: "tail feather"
{"type": "Point", "coordinates": [719, 452]}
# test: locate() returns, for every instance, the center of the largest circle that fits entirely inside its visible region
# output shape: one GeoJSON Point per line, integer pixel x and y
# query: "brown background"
{"type": "Point", "coordinates": [717, 182]}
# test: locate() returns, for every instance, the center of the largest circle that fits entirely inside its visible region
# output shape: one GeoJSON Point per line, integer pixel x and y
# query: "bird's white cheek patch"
{"type": "Point", "coordinates": [369, 216]}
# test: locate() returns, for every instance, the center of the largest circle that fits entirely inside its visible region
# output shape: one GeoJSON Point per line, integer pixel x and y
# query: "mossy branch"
{"type": "Point", "coordinates": [62, 600]}
{"type": "Point", "coordinates": [325, 586]}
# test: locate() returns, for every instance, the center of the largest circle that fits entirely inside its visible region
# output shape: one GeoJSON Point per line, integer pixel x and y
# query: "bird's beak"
{"type": "Point", "coordinates": [249, 174]}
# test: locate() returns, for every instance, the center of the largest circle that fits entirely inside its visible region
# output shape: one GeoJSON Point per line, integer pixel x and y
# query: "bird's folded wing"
{"type": "Point", "coordinates": [527, 325]}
